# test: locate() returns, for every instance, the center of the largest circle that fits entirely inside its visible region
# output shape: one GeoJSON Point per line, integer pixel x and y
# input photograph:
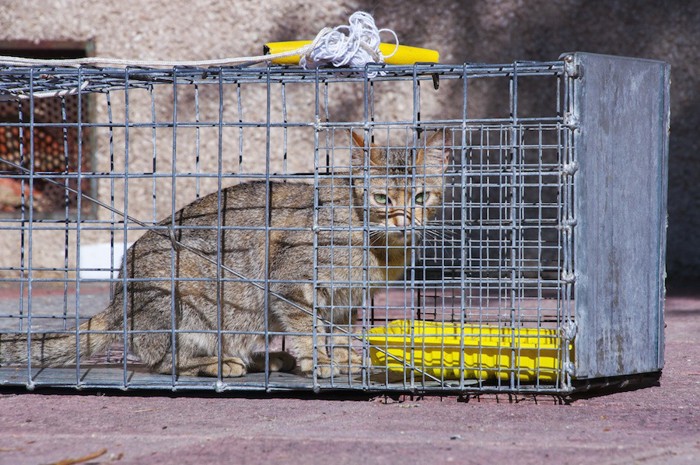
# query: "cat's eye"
{"type": "Point", "coordinates": [381, 199]}
{"type": "Point", "coordinates": [420, 198]}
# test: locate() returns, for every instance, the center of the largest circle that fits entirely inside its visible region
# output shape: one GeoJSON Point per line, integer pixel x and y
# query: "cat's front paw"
{"type": "Point", "coordinates": [353, 369]}
{"type": "Point", "coordinates": [281, 361]}
{"type": "Point", "coordinates": [233, 367]}
{"type": "Point", "coordinates": [348, 360]}
{"type": "Point", "coordinates": [324, 367]}
{"type": "Point", "coordinates": [277, 361]}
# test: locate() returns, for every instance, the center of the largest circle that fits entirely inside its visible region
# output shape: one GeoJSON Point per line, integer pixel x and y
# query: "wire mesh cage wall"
{"type": "Point", "coordinates": [284, 229]}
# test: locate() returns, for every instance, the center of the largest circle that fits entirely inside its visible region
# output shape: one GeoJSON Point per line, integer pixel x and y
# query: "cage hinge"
{"type": "Point", "coordinates": [570, 369]}
{"type": "Point", "coordinates": [571, 68]}
{"type": "Point", "coordinates": [567, 224]}
{"type": "Point", "coordinates": [569, 169]}
{"type": "Point", "coordinates": [569, 330]}
{"type": "Point", "coordinates": [571, 120]}
{"type": "Point", "coordinates": [567, 277]}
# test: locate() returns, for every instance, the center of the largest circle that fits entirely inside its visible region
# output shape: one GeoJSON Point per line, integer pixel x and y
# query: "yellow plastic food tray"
{"type": "Point", "coordinates": [490, 352]}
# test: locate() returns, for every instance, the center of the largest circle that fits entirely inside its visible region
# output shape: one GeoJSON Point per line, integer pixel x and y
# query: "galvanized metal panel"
{"type": "Point", "coordinates": [621, 110]}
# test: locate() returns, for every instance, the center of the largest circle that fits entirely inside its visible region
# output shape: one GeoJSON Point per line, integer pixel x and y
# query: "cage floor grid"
{"type": "Point", "coordinates": [53, 307]}
{"type": "Point", "coordinates": [105, 377]}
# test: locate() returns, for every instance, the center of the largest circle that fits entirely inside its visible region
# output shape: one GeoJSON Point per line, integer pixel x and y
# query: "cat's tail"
{"type": "Point", "coordinates": [56, 349]}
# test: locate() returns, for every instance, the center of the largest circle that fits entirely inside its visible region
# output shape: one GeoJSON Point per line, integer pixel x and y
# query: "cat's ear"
{"type": "Point", "coordinates": [435, 156]}
{"type": "Point", "coordinates": [358, 151]}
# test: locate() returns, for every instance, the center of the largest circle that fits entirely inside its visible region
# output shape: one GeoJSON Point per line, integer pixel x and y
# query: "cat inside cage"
{"type": "Point", "coordinates": [200, 294]}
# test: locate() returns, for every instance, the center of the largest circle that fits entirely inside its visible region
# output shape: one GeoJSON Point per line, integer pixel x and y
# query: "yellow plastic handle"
{"type": "Point", "coordinates": [405, 55]}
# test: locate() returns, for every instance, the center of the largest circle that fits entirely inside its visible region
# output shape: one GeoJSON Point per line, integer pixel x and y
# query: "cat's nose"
{"type": "Point", "coordinates": [400, 221]}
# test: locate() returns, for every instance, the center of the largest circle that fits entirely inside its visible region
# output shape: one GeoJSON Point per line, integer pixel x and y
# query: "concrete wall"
{"type": "Point", "coordinates": [474, 31]}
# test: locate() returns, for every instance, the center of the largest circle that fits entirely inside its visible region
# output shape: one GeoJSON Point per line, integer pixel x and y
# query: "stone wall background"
{"type": "Point", "coordinates": [475, 31]}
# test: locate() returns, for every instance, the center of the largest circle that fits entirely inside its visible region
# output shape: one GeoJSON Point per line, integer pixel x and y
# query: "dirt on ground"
{"type": "Point", "coordinates": [658, 424]}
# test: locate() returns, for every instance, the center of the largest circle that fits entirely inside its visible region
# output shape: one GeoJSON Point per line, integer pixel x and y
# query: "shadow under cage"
{"type": "Point", "coordinates": [434, 228]}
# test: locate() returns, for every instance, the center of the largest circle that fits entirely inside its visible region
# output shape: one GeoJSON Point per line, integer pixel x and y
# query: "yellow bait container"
{"type": "Point", "coordinates": [447, 350]}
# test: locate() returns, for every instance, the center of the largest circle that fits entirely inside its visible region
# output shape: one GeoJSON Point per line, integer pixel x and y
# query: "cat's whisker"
{"type": "Point", "coordinates": [441, 235]}
{"type": "Point", "coordinates": [375, 240]}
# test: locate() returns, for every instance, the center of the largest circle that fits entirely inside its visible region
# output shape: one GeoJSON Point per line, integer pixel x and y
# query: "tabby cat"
{"type": "Point", "coordinates": [382, 190]}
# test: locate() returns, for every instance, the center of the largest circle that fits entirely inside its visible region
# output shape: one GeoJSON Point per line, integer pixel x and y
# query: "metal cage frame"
{"type": "Point", "coordinates": [544, 216]}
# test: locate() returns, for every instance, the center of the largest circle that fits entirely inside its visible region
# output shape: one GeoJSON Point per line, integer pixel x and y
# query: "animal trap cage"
{"type": "Point", "coordinates": [432, 228]}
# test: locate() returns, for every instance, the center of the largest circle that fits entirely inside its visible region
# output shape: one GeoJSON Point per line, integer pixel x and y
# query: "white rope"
{"type": "Point", "coordinates": [359, 47]}
{"type": "Point", "coordinates": [330, 46]}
